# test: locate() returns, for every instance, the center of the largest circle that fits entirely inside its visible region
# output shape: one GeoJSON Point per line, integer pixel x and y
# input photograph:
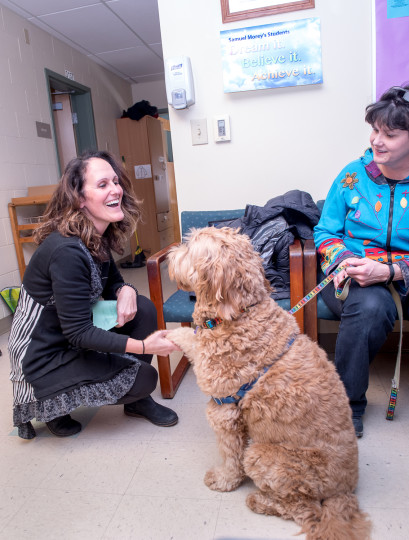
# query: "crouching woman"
{"type": "Point", "coordinates": [59, 359]}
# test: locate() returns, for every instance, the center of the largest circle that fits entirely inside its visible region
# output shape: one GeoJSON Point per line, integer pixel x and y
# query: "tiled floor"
{"type": "Point", "coordinates": [123, 478]}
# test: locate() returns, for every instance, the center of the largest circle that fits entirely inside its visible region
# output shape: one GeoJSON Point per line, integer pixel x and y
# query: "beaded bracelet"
{"type": "Point", "coordinates": [127, 285]}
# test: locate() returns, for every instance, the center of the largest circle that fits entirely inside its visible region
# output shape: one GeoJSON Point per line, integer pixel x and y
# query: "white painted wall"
{"type": "Point", "coordinates": [154, 92]}
{"type": "Point", "coordinates": [25, 159]}
{"type": "Point", "coordinates": [282, 139]}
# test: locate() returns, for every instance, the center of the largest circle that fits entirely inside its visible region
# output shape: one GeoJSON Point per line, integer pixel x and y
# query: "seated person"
{"type": "Point", "coordinates": [365, 222]}
{"type": "Point", "coordinates": [59, 359]}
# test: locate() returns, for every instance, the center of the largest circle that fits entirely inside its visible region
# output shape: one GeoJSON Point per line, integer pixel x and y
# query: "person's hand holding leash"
{"type": "Point", "coordinates": [366, 271]}
{"type": "Point", "coordinates": [341, 276]}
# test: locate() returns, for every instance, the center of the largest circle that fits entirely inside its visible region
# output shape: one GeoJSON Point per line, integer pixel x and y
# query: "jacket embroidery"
{"type": "Point", "coordinates": [350, 180]}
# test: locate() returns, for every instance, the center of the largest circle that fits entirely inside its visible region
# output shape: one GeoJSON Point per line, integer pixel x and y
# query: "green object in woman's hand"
{"type": "Point", "coordinates": [104, 314]}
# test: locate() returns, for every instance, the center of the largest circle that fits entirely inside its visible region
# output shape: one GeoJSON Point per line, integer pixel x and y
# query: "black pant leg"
{"type": "Point", "coordinates": [145, 383]}
{"type": "Point", "coordinates": [367, 316]}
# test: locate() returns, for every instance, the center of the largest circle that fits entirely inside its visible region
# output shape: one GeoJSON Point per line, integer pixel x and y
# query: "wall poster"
{"type": "Point", "coordinates": [272, 56]}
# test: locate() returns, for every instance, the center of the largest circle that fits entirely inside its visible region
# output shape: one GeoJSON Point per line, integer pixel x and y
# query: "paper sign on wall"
{"type": "Point", "coordinates": [143, 171]}
{"type": "Point", "coordinates": [272, 55]}
{"type": "Point", "coordinates": [397, 8]}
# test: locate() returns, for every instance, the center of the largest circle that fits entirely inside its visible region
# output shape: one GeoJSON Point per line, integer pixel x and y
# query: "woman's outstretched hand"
{"type": "Point", "coordinates": [156, 343]}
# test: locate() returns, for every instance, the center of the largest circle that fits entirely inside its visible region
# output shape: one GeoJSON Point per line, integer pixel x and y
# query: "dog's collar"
{"type": "Point", "coordinates": [211, 323]}
{"type": "Point", "coordinates": [242, 391]}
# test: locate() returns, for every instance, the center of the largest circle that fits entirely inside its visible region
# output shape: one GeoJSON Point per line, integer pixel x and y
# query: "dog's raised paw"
{"type": "Point", "coordinates": [218, 480]}
{"type": "Point", "coordinates": [184, 337]}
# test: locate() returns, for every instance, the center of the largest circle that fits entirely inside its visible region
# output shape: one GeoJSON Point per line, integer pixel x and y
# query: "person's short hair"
{"type": "Point", "coordinates": [65, 215]}
{"type": "Point", "coordinates": [391, 110]}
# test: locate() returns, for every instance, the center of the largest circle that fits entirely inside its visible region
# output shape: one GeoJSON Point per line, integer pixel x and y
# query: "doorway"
{"type": "Point", "coordinates": [72, 117]}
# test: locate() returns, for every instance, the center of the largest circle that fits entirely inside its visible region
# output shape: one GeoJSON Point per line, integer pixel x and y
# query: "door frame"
{"type": "Point", "coordinates": [81, 104]}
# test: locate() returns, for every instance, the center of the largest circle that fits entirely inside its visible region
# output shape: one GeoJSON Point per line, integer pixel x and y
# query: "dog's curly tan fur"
{"type": "Point", "coordinates": [292, 433]}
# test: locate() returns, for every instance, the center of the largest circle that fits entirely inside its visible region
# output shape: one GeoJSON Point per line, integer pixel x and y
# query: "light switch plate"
{"type": "Point", "coordinates": [199, 131]}
{"type": "Point", "coordinates": [221, 128]}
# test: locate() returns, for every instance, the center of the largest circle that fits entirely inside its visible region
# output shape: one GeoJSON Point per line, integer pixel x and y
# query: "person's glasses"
{"type": "Point", "coordinates": [403, 93]}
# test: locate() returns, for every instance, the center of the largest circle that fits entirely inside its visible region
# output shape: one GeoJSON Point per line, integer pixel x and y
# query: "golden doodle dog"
{"type": "Point", "coordinates": [278, 407]}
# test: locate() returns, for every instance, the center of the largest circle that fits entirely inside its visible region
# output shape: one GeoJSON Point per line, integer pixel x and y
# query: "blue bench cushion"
{"type": "Point", "coordinates": [179, 307]}
{"type": "Point", "coordinates": [198, 219]}
{"type": "Point", "coordinates": [284, 303]}
{"type": "Point", "coordinates": [323, 311]}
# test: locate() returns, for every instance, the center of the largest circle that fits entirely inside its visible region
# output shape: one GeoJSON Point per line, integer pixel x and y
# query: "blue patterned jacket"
{"type": "Point", "coordinates": [365, 216]}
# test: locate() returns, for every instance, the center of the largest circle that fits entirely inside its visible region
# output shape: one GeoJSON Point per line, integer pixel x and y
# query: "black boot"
{"type": "Point", "coordinates": [152, 411]}
{"type": "Point", "coordinates": [64, 426]}
{"type": "Point", "coordinates": [358, 425]}
{"type": "Point", "coordinates": [138, 262]}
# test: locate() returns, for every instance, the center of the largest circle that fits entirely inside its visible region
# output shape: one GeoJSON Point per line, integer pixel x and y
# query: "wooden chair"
{"type": "Point", "coordinates": [316, 308]}
{"type": "Point", "coordinates": [179, 307]}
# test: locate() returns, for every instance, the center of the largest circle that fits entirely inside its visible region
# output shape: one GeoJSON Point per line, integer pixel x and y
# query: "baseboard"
{"type": "Point", "coordinates": [327, 342]}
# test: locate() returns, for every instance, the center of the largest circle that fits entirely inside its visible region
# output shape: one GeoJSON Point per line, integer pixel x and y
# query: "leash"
{"type": "Point", "coordinates": [341, 292]}
{"type": "Point", "coordinates": [390, 411]}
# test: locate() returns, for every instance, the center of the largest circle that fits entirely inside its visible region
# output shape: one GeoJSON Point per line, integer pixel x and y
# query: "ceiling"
{"type": "Point", "coordinates": [121, 35]}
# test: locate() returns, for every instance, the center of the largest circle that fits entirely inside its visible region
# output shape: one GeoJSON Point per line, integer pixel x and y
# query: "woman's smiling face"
{"type": "Point", "coordinates": [103, 194]}
{"type": "Point", "coordinates": [390, 147]}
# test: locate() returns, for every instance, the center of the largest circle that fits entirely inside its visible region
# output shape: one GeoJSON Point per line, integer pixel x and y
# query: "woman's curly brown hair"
{"type": "Point", "coordinates": [64, 213]}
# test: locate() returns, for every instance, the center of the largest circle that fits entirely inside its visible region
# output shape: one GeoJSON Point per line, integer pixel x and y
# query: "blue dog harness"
{"type": "Point", "coordinates": [242, 391]}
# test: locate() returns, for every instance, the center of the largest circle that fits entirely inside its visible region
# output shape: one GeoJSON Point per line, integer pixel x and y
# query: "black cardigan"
{"type": "Point", "coordinates": [60, 284]}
